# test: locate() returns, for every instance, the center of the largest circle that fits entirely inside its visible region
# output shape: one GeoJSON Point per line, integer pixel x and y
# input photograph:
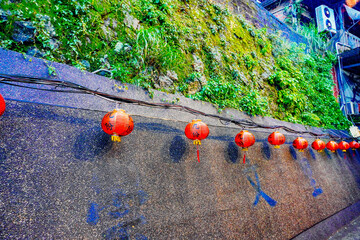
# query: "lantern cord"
{"type": "Point", "coordinates": [69, 87]}
{"type": "Point", "coordinates": [197, 152]}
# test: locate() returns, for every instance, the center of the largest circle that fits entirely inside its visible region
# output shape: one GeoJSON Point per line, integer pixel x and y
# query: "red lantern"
{"type": "Point", "coordinates": [2, 105]}
{"type": "Point", "coordinates": [332, 146]}
{"type": "Point", "coordinates": [276, 139]}
{"type": "Point", "coordinates": [344, 146]}
{"type": "Point", "coordinates": [300, 143]}
{"type": "Point", "coordinates": [318, 145]}
{"type": "Point", "coordinates": [245, 139]}
{"type": "Point", "coordinates": [197, 131]}
{"type": "Point", "coordinates": [354, 145]}
{"type": "Point", "coordinates": [117, 123]}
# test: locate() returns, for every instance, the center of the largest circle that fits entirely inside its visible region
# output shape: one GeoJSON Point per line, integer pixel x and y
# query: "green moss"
{"type": "Point", "coordinates": [245, 68]}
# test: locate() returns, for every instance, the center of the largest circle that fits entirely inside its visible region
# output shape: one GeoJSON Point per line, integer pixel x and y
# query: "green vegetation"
{"type": "Point", "coordinates": [218, 57]}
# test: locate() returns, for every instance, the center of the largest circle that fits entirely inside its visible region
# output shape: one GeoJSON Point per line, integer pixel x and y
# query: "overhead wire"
{"type": "Point", "coordinates": [17, 81]}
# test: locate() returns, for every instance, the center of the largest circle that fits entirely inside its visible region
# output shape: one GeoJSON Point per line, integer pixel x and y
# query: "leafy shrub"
{"type": "Point", "coordinates": [154, 50]}
{"type": "Point", "coordinates": [220, 92]}
{"type": "Point", "coordinates": [249, 62]}
{"type": "Point", "coordinates": [254, 104]}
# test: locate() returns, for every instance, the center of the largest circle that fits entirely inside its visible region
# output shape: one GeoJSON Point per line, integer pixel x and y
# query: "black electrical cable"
{"type": "Point", "coordinates": [49, 90]}
{"type": "Point", "coordinates": [76, 88]}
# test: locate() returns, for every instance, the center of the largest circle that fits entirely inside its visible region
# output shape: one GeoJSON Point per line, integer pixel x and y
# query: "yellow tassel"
{"type": "Point", "coordinates": [115, 138]}
{"type": "Point", "coordinates": [197, 142]}
{"type": "Point", "coordinates": [301, 150]}
{"type": "Point", "coordinates": [277, 146]}
{"type": "Point", "coordinates": [320, 150]}
{"type": "Point", "coordinates": [344, 150]}
{"type": "Point", "coordinates": [245, 149]}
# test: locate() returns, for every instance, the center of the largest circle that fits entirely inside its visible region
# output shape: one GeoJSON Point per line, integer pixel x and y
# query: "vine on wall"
{"type": "Point", "coordinates": [194, 47]}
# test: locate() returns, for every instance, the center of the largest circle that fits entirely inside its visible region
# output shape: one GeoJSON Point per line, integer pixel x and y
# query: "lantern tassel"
{"type": "Point", "coordinates": [244, 159]}
{"type": "Point", "coordinates": [197, 152]}
{"type": "Point", "coordinates": [115, 138]}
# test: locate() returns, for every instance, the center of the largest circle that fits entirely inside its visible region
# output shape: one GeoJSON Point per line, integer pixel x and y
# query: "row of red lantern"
{"type": "Point", "coordinates": [299, 143]}
{"type": "Point", "coordinates": [245, 139]}
{"type": "Point", "coordinates": [333, 146]}
{"type": "Point", "coordinates": [118, 123]}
